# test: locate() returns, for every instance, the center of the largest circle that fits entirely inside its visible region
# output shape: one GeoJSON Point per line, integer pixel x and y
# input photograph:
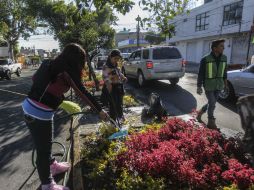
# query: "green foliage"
{"type": "Point", "coordinates": [231, 187]}
{"type": "Point", "coordinates": [98, 162]}
{"type": "Point", "coordinates": [78, 23]}
{"type": "Point", "coordinates": [161, 12]}
{"type": "Point", "coordinates": [105, 129]}
{"type": "Point", "coordinates": [100, 169]}
{"type": "Point", "coordinates": [154, 38]}
{"type": "Point", "coordinates": [16, 20]}
{"type": "Point", "coordinates": [128, 181]}
{"type": "Point", "coordinates": [122, 6]}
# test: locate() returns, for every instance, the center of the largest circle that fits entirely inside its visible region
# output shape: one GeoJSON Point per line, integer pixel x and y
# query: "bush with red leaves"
{"type": "Point", "coordinates": [186, 155]}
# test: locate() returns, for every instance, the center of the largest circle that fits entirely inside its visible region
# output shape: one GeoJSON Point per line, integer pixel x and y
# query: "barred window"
{"type": "Point", "coordinates": [233, 13]}
{"type": "Point", "coordinates": [202, 21]}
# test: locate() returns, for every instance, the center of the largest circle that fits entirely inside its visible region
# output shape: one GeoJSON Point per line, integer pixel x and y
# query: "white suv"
{"type": "Point", "coordinates": [8, 67]}
{"type": "Point", "coordinates": [155, 63]}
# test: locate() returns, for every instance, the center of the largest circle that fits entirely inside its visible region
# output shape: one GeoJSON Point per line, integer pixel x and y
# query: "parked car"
{"type": "Point", "coordinates": [155, 63]}
{"type": "Point", "coordinates": [240, 82]}
{"type": "Point", "coordinates": [126, 56]}
{"type": "Point", "coordinates": [100, 61]}
{"type": "Point", "coordinates": [8, 67]}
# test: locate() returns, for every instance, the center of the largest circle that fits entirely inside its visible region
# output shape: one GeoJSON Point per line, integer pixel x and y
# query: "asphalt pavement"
{"type": "Point", "coordinates": [16, 144]}
{"type": "Point", "coordinates": [15, 141]}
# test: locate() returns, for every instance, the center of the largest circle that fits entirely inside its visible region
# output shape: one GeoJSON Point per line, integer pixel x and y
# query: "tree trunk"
{"type": "Point", "coordinates": [245, 107]}
{"type": "Point", "coordinates": [92, 73]}
{"type": "Point", "coordinates": [11, 55]}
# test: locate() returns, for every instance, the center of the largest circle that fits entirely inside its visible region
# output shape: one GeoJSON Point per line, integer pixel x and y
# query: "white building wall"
{"type": "Point", "coordinates": [186, 29]}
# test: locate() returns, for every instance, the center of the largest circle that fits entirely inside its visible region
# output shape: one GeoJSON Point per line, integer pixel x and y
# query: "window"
{"type": "Point", "coordinates": [3, 62]}
{"type": "Point", "coordinates": [233, 13]}
{"type": "Point", "coordinates": [132, 56]}
{"type": "Point", "coordinates": [207, 1]}
{"type": "Point", "coordinates": [138, 55]}
{"type": "Point", "coordinates": [166, 53]}
{"type": "Point", "coordinates": [146, 54]}
{"type": "Point", "coordinates": [202, 21]}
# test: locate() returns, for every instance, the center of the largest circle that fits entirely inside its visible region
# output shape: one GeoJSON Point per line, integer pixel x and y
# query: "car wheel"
{"type": "Point", "coordinates": [8, 75]}
{"type": "Point", "coordinates": [174, 81]}
{"type": "Point", "coordinates": [18, 72]}
{"type": "Point", "coordinates": [141, 79]}
{"type": "Point", "coordinates": [227, 94]}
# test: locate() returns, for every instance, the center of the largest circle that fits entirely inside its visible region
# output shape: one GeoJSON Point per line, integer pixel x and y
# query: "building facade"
{"type": "Point", "coordinates": [126, 41]}
{"type": "Point", "coordinates": [227, 19]}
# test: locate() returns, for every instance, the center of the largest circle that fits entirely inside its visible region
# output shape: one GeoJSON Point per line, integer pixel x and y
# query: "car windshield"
{"type": "Point", "coordinates": [103, 58]}
{"type": "Point", "coordinates": [166, 53]}
{"type": "Point", "coordinates": [3, 62]}
{"type": "Point", "coordinates": [125, 55]}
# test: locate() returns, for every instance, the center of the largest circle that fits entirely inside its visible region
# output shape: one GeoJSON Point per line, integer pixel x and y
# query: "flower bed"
{"type": "Point", "coordinates": [129, 101]}
{"type": "Point", "coordinates": [178, 155]}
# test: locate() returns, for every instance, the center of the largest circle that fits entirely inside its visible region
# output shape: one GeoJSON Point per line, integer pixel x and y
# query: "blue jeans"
{"type": "Point", "coordinates": [212, 97]}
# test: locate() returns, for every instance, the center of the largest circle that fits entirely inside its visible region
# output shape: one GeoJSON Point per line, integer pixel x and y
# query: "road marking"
{"type": "Point", "coordinates": [13, 92]}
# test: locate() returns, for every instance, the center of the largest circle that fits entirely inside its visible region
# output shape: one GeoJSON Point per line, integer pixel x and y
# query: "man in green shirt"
{"type": "Point", "coordinates": [213, 77]}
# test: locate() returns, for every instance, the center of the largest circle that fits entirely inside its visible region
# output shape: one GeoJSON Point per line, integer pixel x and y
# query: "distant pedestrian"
{"type": "Point", "coordinates": [50, 82]}
{"type": "Point", "coordinates": [113, 90]}
{"type": "Point", "coordinates": [213, 76]}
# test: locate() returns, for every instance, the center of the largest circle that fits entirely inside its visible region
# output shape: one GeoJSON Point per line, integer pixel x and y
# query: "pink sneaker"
{"type": "Point", "coordinates": [53, 186]}
{"type": "Point", "coordinates": [59, 167]}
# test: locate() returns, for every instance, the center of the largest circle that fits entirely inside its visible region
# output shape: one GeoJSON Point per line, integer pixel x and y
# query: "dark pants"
{"type": "Point", "coordinates": [212, 97]}
{"type": "Point", "coordinates": [41, 132]}
{"type": "Point", "coordinates": [113, 100]}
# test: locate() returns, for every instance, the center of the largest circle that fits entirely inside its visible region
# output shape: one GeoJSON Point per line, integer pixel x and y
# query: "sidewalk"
{"type": "Point", "coordinates": [192, 67]}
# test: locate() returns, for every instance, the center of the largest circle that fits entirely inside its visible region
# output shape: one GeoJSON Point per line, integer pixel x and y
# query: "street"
{"type": "Point", "coordinates": [16, 145]}
{"type": "Point", "coordinates": [15, 141]}
{"type": "Point", "coordinates": [183, 99]}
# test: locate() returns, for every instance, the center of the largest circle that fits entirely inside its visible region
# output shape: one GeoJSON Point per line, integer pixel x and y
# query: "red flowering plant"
{"type": "Point", "coordinates": [240, 174]}
{"type": "Point", "coordinates": [186, 155]}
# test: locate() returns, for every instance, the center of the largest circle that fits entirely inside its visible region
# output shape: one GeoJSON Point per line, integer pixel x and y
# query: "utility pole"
{"type": "Point", "coordinates": [249, 42]}
{"type": "Point", "coordinates": [138, 30]}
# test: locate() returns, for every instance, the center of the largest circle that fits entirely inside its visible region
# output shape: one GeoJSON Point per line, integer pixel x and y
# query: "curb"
{"type": "Point", "coordinates": [77, 179]}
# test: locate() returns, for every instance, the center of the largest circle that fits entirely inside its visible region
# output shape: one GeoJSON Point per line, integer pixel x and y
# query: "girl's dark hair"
{"type": "Point", "coordinates": [72, 60]}
{"type": "Point", "coordinates": [113, 53]}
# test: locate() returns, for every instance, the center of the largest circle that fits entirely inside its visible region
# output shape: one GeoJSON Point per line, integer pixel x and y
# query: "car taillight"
{"type": "Point", "coordinates": [183, 62]}
{"type": "Point", "coordinates": [149, 64]}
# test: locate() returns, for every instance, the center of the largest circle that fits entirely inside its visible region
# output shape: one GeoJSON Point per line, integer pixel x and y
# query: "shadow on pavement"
{"type": "Point", "coordinates": [15, 138]}
{"type": "Point", "coordinates": [230, 105]}
{"type": "Point", "coordinates": [177, 100]}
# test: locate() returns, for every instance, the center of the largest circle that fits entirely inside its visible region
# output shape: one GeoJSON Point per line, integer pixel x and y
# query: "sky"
{"type": "Point", "coordinates": [125, 21]}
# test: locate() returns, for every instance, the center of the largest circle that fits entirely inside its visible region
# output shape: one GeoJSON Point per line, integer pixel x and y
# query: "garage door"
{"type": "Point", "coordinates": [239, 50]}
{"type": "Point", "coordinates": [191, 52]}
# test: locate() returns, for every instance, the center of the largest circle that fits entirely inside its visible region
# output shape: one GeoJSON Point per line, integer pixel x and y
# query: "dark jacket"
{"type": "Point", "coordinates": [50, 92]}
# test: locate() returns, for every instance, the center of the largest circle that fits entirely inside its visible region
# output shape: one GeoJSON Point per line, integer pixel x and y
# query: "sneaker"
{"type": "Point", "coordinates": [53, 186]}
{"type": "Point", "coordinates": [59, 167]}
